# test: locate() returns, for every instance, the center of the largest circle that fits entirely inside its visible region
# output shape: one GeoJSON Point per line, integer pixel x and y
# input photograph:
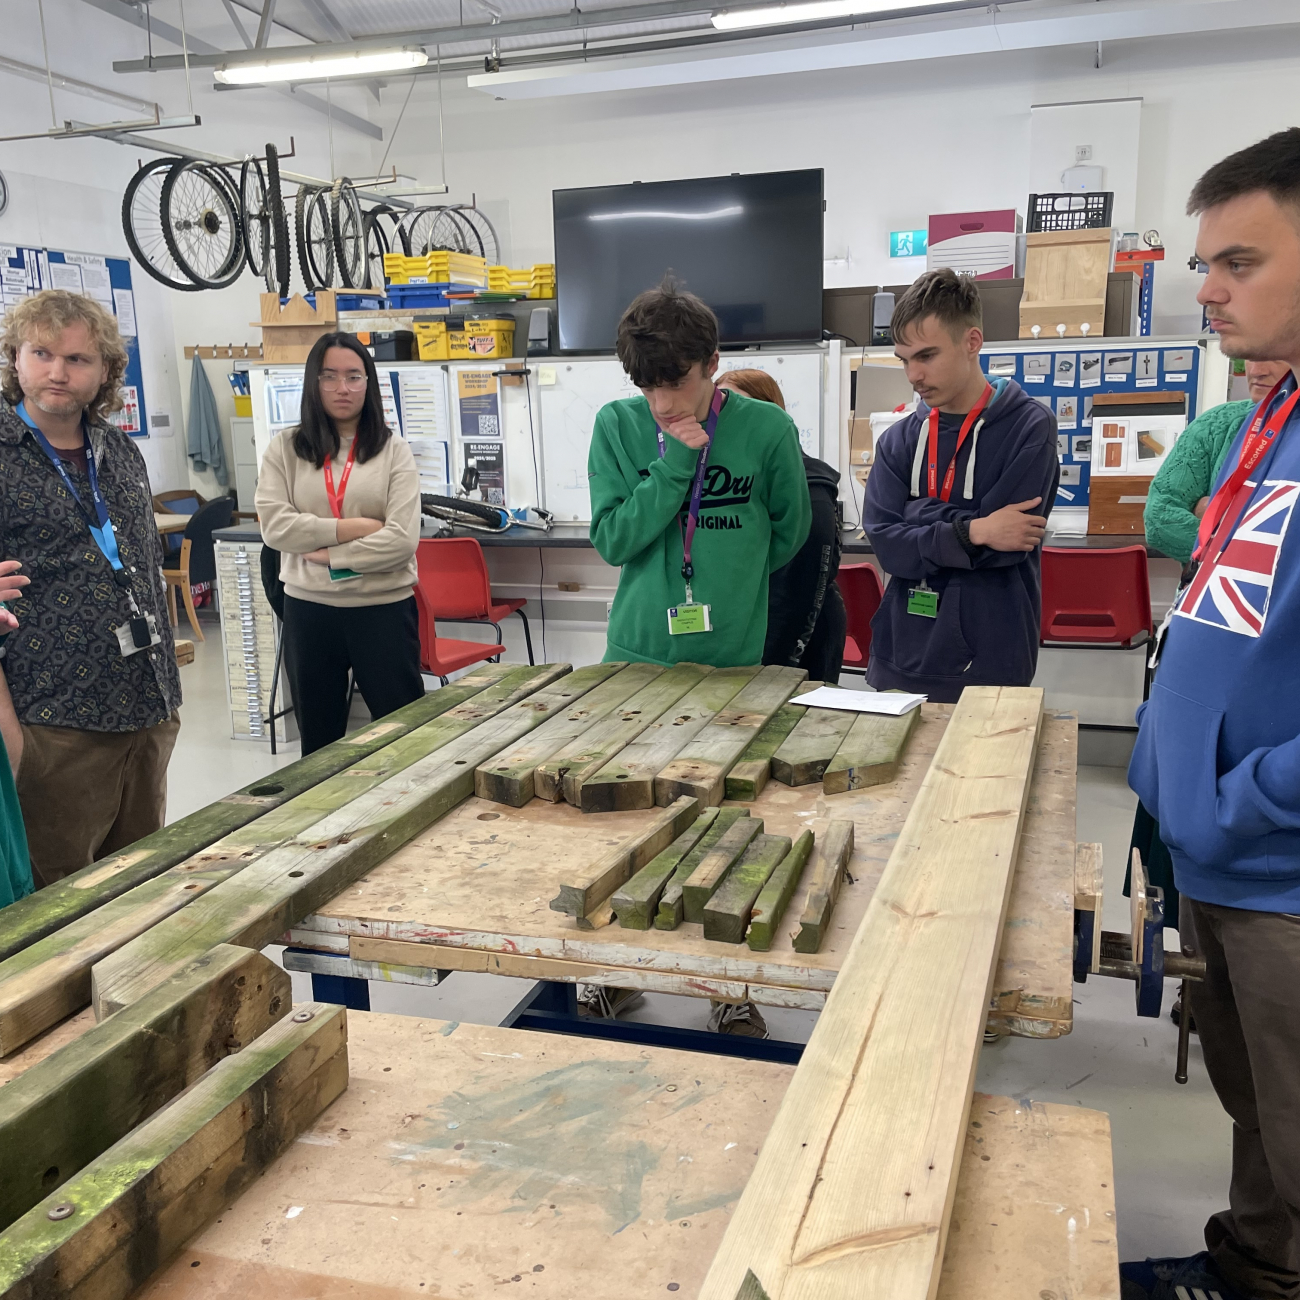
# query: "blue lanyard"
{"type": "Point", "coordinates": [697, 488]}
{"type": "Point", "coordinates": [101, 526]}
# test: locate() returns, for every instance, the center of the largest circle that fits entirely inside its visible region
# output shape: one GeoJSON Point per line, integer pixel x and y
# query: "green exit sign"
{"type": "Point", "coordinates": [907, 243]}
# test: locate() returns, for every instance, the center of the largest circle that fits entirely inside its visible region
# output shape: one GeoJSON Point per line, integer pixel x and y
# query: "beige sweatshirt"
{"type": "Point", "coordinates": [294, 510]}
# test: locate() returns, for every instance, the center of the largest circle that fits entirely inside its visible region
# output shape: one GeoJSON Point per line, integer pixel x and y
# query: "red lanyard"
{"type": "Point", "coordinates": [336, 498]}
{"type": "Point", "coordinates": [1224, 507]}
{"type": "Point", "coordinates": [932, 468]}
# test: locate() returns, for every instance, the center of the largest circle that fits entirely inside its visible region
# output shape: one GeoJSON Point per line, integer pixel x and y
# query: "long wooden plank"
{"type": "Point", "coordinates": [595, 883]}
{"type": "Point", "coordinates": [102, 1234]}
{"type": "Point", "coordinates": [628, 779]}
{"type": "Point", "coordinates": [508, 777]}
{"type": "Point", "coordinates": [71, 1107]}
{"type": "Point", "coordinates": [702, 766]}
{"type": "Point", "coordinates": [635, 902]}
{"type": "Point", "coordinates": [854, 1185]}
{"type": "Point", "coordinates": [561, 776]}
{"type": "Point", "coordinates": [32, 918]}
{"type": "Point", "coordinates": [775, 895]}
{"type": "Point", "coordinates": [871, 752]}
{"type": "Point", "coordinates": [294, 880]}
{"type": "Point", "coordinates": [671, 907]}
{"type": "Point", "coordinates": [807, 751]}
{"type": "Point", "coordinates": [705, 879]}
{"type": "Point", "coordinates": [50, 979]}
{"type": "Point", "coordinates": [829, 868]}
{"type": "Point", "coordinates": [726, 914]}
{"type": "Point", "coordinates": [747, 778]}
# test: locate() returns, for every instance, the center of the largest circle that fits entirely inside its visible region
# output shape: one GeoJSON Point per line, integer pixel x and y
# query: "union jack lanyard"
{"type": "Point", "coordinates": [697, 489]}
{"type": "Point", "coordinates": [932, 463]}
{"type": "Point", "coordinates": [1221, 516]}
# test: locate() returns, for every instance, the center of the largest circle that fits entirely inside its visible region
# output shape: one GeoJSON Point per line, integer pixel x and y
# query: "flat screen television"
{"type": "Point", "coordinates": [750, 246]}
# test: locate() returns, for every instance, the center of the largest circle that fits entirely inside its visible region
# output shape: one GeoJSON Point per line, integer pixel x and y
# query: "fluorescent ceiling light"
{"type": "Point", "coordinates": [668, 216]}
{"type": "Point", "coordinates": [730, 20]}
{"type": "Point", "coordinates": [362, 63]}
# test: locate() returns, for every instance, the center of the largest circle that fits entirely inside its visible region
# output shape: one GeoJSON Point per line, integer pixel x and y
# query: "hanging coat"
{"type": "Point", "coordinates": [204, 435]}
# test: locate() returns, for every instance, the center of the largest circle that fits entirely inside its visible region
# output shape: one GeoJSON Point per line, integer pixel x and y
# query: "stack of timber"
{"type": "Point", "coordinates": [843, 750]}
{"type": "Point", "coordinates": [854, 1187]}
{"type": "Point", "coordinates": [747, 778]}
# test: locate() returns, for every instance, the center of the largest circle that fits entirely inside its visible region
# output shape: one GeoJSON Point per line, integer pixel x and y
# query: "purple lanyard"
{"type": "Point", "coordinates": [697, 488]}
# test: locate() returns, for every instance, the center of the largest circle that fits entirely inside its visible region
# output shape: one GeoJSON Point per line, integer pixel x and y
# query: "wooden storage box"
{"type": "Point", "coordinates": [289, 332]}
{"type": "Point", "coordinates": [1065, 283]}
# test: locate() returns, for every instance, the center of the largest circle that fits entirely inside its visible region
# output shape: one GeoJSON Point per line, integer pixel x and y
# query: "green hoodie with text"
{"type": "Point", "coordinates": [754, 516]}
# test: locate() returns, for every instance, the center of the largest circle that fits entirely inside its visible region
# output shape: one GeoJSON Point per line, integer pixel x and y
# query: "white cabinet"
{"type": "Point", "coordinates": [245, 449]}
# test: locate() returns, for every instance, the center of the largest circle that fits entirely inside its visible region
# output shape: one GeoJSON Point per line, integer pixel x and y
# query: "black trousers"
{"type": "Point", "coordinates": [379, 643]}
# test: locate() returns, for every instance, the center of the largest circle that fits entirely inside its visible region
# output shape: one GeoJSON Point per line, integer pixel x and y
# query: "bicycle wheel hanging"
{"type": "Point", "coordinates": [413, 230]}
{"type": "Point", "coordinates": [277, 230]}
{"type": "Point", "coordinates": [315, 238]}
{"type": "Point", "coordinates": [448, 233]}
{"type": "Point", "coordinates": [348, 233]}
{"type": "Point", "coordinates": [255, 213]}
{"type": "Point", "coordinates": [466, 231]}
{"type": "Point", "coordinates": [142, 224]}
{"type": "Point", "coordinates": [489, 244]}
{"type": "Point", "coordinates": [376, 242]}
{"type": "Point", "coordinates": [200, 221]}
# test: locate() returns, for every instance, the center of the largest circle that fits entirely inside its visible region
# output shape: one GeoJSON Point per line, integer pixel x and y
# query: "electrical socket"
{"type": "Point", "coordinates": [1082, 153]}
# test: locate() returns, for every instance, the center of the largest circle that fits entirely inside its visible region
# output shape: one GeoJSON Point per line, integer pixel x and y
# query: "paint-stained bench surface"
{"type": "Point", "coordinates": [474, 891]}
{"type": "Point", "coordinates": [466, 1161]}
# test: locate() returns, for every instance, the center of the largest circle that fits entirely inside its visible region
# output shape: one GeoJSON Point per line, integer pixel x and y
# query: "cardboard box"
{"type": "Point", "coordinates": [982, 244]}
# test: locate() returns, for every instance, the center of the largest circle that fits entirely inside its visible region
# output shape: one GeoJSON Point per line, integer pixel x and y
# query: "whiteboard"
{"type": "Point", "coordinates": [573, 391]}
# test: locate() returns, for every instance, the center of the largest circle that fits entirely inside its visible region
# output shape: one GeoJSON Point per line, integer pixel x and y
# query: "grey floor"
{"type": "Point", "coordinates": [1171, 1143]}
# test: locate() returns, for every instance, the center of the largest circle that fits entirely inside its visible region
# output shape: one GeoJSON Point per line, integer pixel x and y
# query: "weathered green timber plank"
{"type": "Point", "coordinates": [50, 979]}
{"type": "Point", "coordinates": [775, 896]}
{"type": "Point", "coordinates": [138, 1203]}
{"type": "Point", "coordinates": [705, 879]}
{"type": "Point", "coordinates": [635, 902]}
{"type": "Point", "coordinates": [702, 766]}
{"type": "Point", "coordinates": [829, 867]}
{"type": "Point", "coordinates": [595, 883]}
{"type": "Point", "coordinates": [726, 914]}
{"type": "Point", "coordinates": [807, 751]}
{"type": "Point", "coordinates": [670, 913]}
{"type": "Point", "coordinates": [298, 878]}
{"type": "Point", "coordinates": [871, 752]}
{"type": "Point", "coordinates": [71, 1107]}
{"type": "Point", "coordinates": [508, 777]}
{"type": "Point", "coordinates": [561, 776]}
{"type": "Point", "coordinates": [628, 779]}
{"type": "Point", "coordinates": [746, 780]}
{"type": "Point", "coordinates": [39, 914]}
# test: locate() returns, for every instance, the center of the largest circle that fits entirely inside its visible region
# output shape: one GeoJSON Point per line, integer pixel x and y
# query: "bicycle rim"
{"type": "Point", "coordinates": [278, 262]}
{"type": "Point", "coordinates": [201, 224]}
{"type": "Point", "coordinates": [255, 212]}
{"type": "Point", "coordinates": [348, 234]}
{"type": "Point", "coordinates": [142, 225]}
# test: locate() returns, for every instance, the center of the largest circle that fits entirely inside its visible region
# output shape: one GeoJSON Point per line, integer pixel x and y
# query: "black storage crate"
{"type": "Point", "coordinates": [1069, 211]}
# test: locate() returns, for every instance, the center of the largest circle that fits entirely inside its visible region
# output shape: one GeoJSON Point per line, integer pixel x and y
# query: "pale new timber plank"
{"type": "Point", "coordinates": [588, 754]}
{"type": "Point", "coordinates": [50, 979]}
{"type": "Point", "coordinates": [76, 1103]}
{"type": "Point", "coordinates": [703, 882]}
{"type": "Point", "coordinates": [597, 881]}
{"type": "Point", "coordinates": [747, 778]}
{"type": "Point", "coordinates": [774, 897]}
{"type": "Point", "coordinates": [702, 766]}
{"type": "Point", "coordinates": [726, 914]}
{"type": "Point", "coordinates": [828, 873]}
{"type": "Point", "coordinates": [628, 779]}
{"type": "Point", "coordinates": [807, 751]}
{"type": "Point", "coordinates": [508, 777]}
{"type": "Point", "coordinates": [138, 1203]}
{"type": "Point", "coordinates": [1088, 894]}
{"type": "Point", "coordinates": [871, 752]}
{"type": "Point", "coordinates": [636, 902]}
{"type": "Point", "coordinates": [854, 1186]}
{"type": "Point", "coordinates": [263, 901]}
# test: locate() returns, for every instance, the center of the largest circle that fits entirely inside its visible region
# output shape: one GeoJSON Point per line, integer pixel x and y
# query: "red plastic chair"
{"type": "Point", "coordinates": [1096, 597]}
{"type": "Point", "coordinates": [455, 583]}
{"type": "Point", "coordinates": [862, 591]}
{"type": "Point", "coordinates": [441, 655]}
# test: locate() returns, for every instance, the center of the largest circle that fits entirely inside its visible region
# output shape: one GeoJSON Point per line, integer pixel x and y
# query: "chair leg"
{"type": "Point", "coordinates": [171, 603]}
{"type": "Point", "coordinates": [528, 636]}
{"type": "Point", "coordinates": [275, 684]}
{"type": "Point", "coordinates": [187, 595]}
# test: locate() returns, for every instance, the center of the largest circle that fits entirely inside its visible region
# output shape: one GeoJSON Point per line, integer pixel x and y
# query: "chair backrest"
{"type": "Point", "coordinates": [428, 634]}
{"type": "Point", "coordinates": [453, 578]}
{"type": "Point", "coordinates": [861, 588]}
{"type": "Point", "coordinates": [216, 514]}
{"type": "Point", "coordinates": [179, 501]}
{"type": "Point", "coordinates": [1101, 596]}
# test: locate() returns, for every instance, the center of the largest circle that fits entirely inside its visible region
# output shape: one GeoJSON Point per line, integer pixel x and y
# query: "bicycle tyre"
{"type": "Point", "coordinates": [347, 230]}
{"type": "Point", "coordinates": [192, 225]}
{"type": "Point", "coordinates": [142, 226]}
{"type": "Point", "coordinates": [469, 514]}
{"type": "Point", "coordinates": [279, 266]}
{"type": "Point", "coordinates": [254, 211]}
{"type": "Point", "coordinates": [376, 245]}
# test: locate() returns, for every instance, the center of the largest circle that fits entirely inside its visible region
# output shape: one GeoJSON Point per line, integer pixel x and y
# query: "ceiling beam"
{"type": "Point", "coordinates": [63, 82]}
{"type": "Point", "coordinates": [239, 27]}
{"type": "Point", "coordinates": [202, 50]}
{"type": "Point", "coordinates": [325, 16]}
{"type": "Point", "coordinates": [264, 25]}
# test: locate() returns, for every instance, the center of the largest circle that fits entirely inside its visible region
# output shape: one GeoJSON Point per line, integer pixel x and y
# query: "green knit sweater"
{"type": "Point", "coordinates": [1187, 475]}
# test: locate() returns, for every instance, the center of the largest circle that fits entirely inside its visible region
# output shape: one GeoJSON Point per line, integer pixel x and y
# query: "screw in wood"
{"type": "Point", "coordinates": [63, 1210]}
{"type": "Point", "coordinates": [303, 1016]}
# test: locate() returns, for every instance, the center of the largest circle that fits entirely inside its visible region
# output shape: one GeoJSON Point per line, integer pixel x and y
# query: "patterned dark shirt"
{"type": "Point", "coordinates": [64, 665]}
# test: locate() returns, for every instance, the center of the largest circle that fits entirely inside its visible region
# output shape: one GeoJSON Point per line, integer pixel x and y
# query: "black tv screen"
{"type": "Point", "coordinates": [750, 246]}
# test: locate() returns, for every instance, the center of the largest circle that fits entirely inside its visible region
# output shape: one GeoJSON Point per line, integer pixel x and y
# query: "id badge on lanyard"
{"type": "Point", "coordinates": [693, 616]}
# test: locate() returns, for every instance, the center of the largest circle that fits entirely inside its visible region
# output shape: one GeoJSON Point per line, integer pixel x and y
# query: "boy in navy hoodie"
{"type": "Point", "coordinates": [1217, 758]}
{"type": "Point", "coordinates": [951, 507]}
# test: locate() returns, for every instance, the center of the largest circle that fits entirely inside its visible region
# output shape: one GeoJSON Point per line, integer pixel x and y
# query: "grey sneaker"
{"type": "Point", "coordinates": [604, 1003]}
{"type": "Point", "coordinates": [744, 1019]}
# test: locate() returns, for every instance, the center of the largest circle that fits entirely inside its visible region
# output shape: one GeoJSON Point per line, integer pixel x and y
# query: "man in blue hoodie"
{"type": "Point", "coordinates": [1217, 759]}
{"type": "Point", "coordinates": [950, 508]}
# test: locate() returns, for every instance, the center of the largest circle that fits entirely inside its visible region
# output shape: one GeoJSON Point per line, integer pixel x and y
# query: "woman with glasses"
{"type": "Point", "coordinates": [339, 497]}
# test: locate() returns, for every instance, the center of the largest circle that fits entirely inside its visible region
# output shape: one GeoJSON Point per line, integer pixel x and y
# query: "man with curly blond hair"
{"type": "Point", "coordinates": [91, 667]}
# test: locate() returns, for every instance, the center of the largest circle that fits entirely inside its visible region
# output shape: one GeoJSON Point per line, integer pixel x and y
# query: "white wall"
{"type": "Point", "coordinates": [897, 142]}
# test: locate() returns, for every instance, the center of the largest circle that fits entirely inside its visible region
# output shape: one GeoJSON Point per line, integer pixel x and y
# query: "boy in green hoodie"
{"type": "Point", "coordinates": [696, 494]}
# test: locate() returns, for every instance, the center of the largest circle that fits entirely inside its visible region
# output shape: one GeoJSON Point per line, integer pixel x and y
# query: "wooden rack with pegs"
{"type": "Point", "coordinates": [226, 352]}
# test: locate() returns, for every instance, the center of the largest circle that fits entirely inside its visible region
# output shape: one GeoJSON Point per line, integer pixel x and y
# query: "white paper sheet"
{"type": "Point", "coordinates": [892, 703]}
{"type": "Point", "coordinates": [124, 309]}
{"type": "Point", "coordinates": [65, 275]}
